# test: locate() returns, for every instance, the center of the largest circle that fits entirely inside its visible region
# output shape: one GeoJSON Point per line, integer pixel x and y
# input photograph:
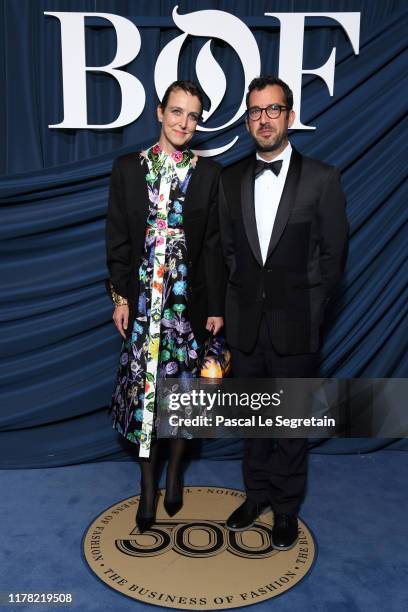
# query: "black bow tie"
{"type": "Point", "coordinates": [263, 165]}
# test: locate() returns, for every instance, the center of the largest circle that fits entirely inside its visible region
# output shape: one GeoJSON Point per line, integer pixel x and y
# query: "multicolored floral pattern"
{"type": "Point", "coordinates": [162, 342]}
{"type": "Point", "coordinates": [157, 157]}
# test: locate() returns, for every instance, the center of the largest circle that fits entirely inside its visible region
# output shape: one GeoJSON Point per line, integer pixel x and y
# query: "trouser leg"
{"type": "Point", "coordinates": [275, 470]}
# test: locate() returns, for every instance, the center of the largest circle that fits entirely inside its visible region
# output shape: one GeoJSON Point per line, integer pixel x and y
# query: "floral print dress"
{"type": "Point", "coordinates": [162, 343]}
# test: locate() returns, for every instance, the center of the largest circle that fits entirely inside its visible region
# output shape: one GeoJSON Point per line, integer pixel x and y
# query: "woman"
{"type": "Point", "coordinates": [163, 255]}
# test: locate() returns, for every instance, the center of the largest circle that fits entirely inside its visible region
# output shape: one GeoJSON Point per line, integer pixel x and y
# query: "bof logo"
{"type": "Point", "coordinates": [211, 24]}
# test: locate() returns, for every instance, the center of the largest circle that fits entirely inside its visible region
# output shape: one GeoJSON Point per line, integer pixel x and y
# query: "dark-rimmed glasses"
{"type": "Point", "coordinates": [273, 111]}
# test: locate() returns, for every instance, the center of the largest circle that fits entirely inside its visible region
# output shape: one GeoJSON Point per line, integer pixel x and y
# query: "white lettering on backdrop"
{"type": "Point", "coordinates": [205, 23]}
{"type": "Point", "coordinates": [74, 70]}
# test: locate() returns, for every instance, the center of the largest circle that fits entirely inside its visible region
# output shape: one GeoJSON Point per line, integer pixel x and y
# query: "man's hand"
{"type": "Point", "coordinates": [121, 319]}
{"type": "Point", "coordinates": [214, 324]}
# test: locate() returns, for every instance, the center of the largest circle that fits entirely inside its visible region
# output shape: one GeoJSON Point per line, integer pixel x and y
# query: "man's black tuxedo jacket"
{"type": "Point", "coordinates": [305, 258]}
{"type": "Point", "coordinates": [125, 235]}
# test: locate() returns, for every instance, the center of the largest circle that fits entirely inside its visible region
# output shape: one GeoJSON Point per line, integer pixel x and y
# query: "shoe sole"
{"type": "Point", "coordinates": [284, 547]}
{"type": "Point", "coordinates": [240, 528]}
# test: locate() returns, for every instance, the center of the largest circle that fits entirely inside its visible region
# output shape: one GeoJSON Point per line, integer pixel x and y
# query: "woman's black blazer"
{"type": "Point", "coordinates": [125, 235]}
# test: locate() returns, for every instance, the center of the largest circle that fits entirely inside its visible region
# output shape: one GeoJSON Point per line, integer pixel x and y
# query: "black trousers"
{"type": "Point", "coordinates": [275, 470]}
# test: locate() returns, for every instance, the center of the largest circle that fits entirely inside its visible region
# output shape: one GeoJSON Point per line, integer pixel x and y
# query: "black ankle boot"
{"type": "Point", "coordinates": [145, 516]}
{"type": "Point", "coordinates": [172, 507]}
{"type": "Point", "coordinates": [146, 512]}
{"type": "Point", "coordinates": [173, 500]}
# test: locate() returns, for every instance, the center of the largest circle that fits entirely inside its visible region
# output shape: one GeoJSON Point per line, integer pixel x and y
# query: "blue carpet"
{"type": "Point", "coordinates": [356, 507]}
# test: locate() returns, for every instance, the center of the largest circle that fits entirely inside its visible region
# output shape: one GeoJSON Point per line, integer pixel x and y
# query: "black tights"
{"type": "Point", "coordinates": [149, 475]}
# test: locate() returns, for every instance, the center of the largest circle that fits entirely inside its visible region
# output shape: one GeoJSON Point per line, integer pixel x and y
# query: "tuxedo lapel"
{"type": "Point", "coordinates": [287, 200]}
{"type": "Point", "coordinates": [248, 209]}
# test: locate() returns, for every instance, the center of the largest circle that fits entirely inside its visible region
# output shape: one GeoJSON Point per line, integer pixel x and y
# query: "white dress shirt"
{"type": "Point", "coordinates": [268, 192]}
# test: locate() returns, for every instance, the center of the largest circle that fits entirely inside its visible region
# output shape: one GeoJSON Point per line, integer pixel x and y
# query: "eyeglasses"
{"type": "Point", "coordinates": [273, 111]}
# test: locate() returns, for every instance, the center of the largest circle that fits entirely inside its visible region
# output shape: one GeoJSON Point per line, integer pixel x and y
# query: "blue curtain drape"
{"type": "Point", "coordinates": [59, 348]}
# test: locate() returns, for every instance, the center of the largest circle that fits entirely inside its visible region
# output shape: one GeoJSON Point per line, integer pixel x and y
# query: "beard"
{"type": "Point", "coordinates": [270, 146]}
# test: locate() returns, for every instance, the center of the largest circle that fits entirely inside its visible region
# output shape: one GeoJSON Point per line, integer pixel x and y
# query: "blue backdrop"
{"type": "Point", "coordinates": [59, 347]}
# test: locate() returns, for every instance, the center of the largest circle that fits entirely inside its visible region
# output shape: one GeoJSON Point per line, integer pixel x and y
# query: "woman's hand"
{"type": "Point", "coordinates": [121, 319]}
{"type": "Point", "coordinates": [214, 324]}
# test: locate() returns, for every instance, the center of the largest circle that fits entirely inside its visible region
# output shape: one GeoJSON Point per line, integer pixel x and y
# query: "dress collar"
{"type": "Point", "coordinates": [160, 162]}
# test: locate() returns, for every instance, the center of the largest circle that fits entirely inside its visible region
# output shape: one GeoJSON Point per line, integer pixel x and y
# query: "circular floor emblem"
{"type": "Point", "coordinates": [191, 561]}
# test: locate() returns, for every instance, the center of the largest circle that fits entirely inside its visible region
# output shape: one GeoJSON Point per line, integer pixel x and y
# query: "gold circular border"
{"type": "Point", "coordinates": [174, 577]}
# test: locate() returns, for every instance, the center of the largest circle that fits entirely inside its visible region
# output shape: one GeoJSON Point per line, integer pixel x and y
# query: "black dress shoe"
{"type": "Point", "coordinates": [244, 516]}
{"type": "Point", "coordinates": [284, 531]}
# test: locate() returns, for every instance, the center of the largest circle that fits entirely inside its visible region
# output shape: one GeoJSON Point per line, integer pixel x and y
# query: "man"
{"type": "Point", "coordinates": [284, 233]}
